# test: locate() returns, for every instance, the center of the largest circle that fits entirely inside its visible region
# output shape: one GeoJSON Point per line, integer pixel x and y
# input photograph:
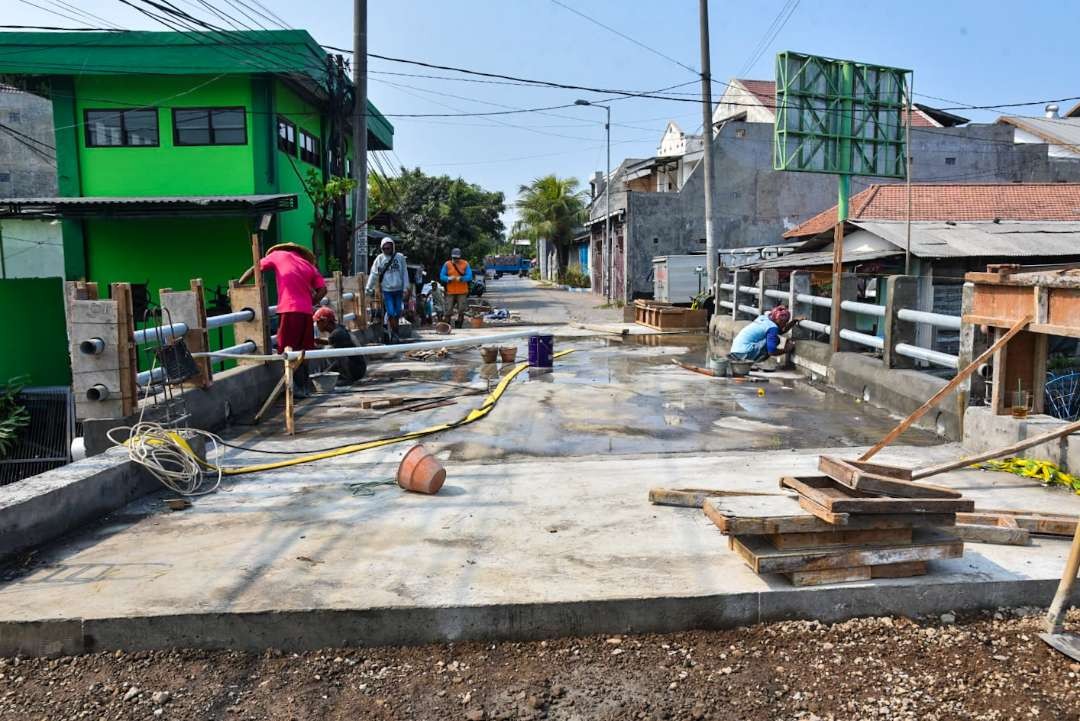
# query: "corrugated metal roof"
{"type": "Point", "coordinates": [142, 206]}
{"type": "Point", "coordinates": [970, 240]}
{"type": "Point", "coordinates": [821, 257]}
{"type": "Point", "coordinates": [1057, 131]}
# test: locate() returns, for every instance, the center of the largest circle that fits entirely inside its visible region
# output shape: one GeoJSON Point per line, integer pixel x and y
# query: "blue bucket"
{"type": "Point", "coordinates": [541, 350]}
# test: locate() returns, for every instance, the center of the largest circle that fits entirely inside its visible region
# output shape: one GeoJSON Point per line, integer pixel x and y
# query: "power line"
{"type": "Point", "coordinates": [624, 36]}
{"type": "Point", "coordinates": [770, 34]}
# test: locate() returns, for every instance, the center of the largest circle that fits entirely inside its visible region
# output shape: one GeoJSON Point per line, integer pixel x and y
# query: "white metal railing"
{"type": "Point", "coordinates": [930, 356]}
{"type": "Point", "coordinates": [855, 306]}
{"type": "Point", "coordinates": [940, 320]}
{"type": "Point", "coordinates": [817, 300]}
{"type": "Point", "coordinates": [727, 286]}
{"type": "Point", "coordinates": [748, 289]}
{"type": "Point", "coordinates": [862, 338]}
{"type": "Point", "coordinates": [813, 325]}
{"type": "Point", "coordinates": [752, 310]}
{"type": "Point", "coordinates": [778, 294]}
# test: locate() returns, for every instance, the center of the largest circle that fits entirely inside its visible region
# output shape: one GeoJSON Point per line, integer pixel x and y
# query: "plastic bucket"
{"type": "Point", "coordinates": [541, 350]}
{"type": "Point", "coordinates": [488, 353]}
{"type": "Point", "coordinates": [508, 353]}
{"type": "Point", "coordinates": [325, 382]}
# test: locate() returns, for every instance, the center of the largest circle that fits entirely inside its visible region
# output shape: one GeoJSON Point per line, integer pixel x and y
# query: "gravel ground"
{"type": "Point", "coordinates": [985, 667]}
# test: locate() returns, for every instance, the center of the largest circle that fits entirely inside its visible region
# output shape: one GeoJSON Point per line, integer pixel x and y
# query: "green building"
{"type": "Point", "coordinates": [171, 146]}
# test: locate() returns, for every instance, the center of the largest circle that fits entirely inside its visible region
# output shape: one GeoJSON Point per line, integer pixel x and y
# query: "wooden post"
{"type": "Point", "coordinates": [290, 427]}
{"type": "Point", "coordinates": [189, 307]}
{"type": "Point", "coordinates": [128, 353]}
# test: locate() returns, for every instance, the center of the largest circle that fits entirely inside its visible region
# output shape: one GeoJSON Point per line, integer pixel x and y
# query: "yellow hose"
{"type": "Point", "coordinates": [472, 416]}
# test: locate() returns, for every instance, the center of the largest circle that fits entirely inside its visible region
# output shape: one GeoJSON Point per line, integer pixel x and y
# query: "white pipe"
{"type": "Point", "coordinates": [752, 310]}
{"type": "Point", "coordinates": [272, 310]}
{"type": "Point", "coordinates": [93, 346]}
{"type": "Point", "coordinates": [348, 296]}
{"type": "Point", "coordinates": [952, 322]}
{"type": "Point", "coordinates": [815, 326]}
{"type": "Point", "coordinates": [374, 350]}
{"type": "Point", "coordinates": [748, 289]}
{"type": "Point", "coordinates": [348, 316]}
{"type": "Point", "coordinates": [863, 308]}
{"type": "Point", "coordinates": [930, 356]}
{"type": "Point", "coordinates": [240, 316]}
{"type": "Point", "coordinates": [814, 300]}
{"type": "Point", "coordinates": [773, 293]}
{"type": "Point", "coordinates": [862, 338]}
{"type": "Point", "coordinates": [727, 286]}
{"type": "Point", "coordinates": [726, 304]}
{"type": "Point", "coordinates": [152, 335]}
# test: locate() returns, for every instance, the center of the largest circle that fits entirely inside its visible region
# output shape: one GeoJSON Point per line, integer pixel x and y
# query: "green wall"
{"type": "Point", "coordinates": [293, 226]}
{"type": "Point", "coordinates": [165, 169]}
{"type": "Point", "coordinates": [33, 308]}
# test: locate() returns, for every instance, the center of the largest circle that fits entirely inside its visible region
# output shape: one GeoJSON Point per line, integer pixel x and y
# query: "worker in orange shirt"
{"type": "Point", "coordinates": [456, 276]}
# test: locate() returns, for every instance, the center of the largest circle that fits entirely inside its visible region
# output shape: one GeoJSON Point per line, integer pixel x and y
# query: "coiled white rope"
{"type": "Point", "coordinates": [169, 457]}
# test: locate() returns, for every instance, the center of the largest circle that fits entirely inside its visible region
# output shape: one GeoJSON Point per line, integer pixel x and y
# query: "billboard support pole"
{"type": "Point", "coordinates": [847, 88]}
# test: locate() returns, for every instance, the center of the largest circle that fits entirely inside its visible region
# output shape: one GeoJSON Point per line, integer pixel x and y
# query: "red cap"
{"type": "Point", "coordinates": [325, 312]}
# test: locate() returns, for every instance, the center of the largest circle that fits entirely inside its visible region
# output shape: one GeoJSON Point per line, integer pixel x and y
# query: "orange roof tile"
{"type": "Point", "coordinates": [956, 202]}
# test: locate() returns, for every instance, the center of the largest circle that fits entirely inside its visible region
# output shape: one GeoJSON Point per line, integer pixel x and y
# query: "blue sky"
{"type": "Point", "coordinates": [979, 53]}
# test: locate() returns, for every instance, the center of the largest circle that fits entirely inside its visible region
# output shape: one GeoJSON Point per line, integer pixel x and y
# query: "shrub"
{"type": "Point", "coordinates": [574, 278]}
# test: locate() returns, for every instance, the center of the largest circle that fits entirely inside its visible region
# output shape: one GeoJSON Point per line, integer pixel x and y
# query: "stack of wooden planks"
{"type": "Point", "coordinates": [856, 522]}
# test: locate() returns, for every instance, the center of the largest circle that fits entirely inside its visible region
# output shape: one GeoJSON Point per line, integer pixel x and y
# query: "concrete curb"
{"type": "Point", "coordinates": [321, 628]}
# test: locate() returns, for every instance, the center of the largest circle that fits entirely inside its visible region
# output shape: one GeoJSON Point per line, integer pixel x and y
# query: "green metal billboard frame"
{"type": "Point", "coordinates": [839, 116]}
{"type": "Point", "coordinates": [844, 118]}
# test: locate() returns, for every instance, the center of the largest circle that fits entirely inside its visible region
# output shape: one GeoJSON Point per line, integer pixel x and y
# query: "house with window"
{"type": "Point", "coordinates": [170, 148]}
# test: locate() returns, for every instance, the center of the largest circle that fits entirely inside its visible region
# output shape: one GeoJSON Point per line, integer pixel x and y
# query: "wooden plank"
{"type": "Point", "coordinates": [831, 575]}
{"type": "Point", "coordinates": [762, 557]}
{"type": "Point", "coordinates": [823, 513]}
{"type": "Point", "coordinates": [945, 390]}
{"type": "Point", "coordinates": [841, 537]}
{"type": "Point", "coordinates": [979, 533]}
{"type": "Point", "coordinates": [695, 497]}
{"type": "Point", "coordinates": [899, 570]}
{"type": "Point", "coordinates": [838, 498]}
{"type": "Point", "coordinates": [879, 520]}
{"type": "Point", "coordinates": [854, 477]}
{"type": "Point", "coordinates": [1008, 450]}
{"type": "Point", "coordinates": [1044, 525]}
{"type": "Point", "coordinates": [756, 516]}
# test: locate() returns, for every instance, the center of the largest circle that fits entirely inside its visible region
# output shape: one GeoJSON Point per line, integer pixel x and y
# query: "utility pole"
{"type": "Point", "coordinates": [707, 128]}
{"type": "Point", "coordinates": [606, 271]}
{"type": "Point", "coordinates": [359, 132]}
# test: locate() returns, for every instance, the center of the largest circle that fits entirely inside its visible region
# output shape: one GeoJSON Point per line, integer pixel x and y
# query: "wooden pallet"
{"type": "Point", "coordinates": [834, 497]}
{"type": "Point", "coordinates": [765, 515]}
{"type": "Point", "coordinates": [878, 479]}
{"type": "Point", "coordinates": [664, 316]}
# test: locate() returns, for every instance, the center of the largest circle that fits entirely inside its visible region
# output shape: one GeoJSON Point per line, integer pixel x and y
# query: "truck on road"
{"type": "Point", "coordinates": [507, 265]}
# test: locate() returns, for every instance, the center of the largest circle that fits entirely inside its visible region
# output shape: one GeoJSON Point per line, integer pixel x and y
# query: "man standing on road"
{"type": "Point", "coordinates": [456, 276]}
{"type": "Point", "coordinates": [389, 274]}
{"type": "Point", "coordinates": [300, 285]}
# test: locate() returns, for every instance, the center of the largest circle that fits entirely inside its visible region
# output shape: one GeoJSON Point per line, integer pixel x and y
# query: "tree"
{"type": "Point", "coordinates": [431, 215]}
{"type": "Point", "coordinates": [551, 208]}
{"type": "Point", "coordinates": [323, 196]}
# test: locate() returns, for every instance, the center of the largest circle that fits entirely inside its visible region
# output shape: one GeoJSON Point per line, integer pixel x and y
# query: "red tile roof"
{"type": "Point", "coordinates": [763, 90]}
{"type": "Point", "coordinates": [956, 202]}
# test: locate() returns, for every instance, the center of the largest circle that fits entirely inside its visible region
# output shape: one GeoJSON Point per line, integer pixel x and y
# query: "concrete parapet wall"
{"type": "Point", "coordinates": [984, 430]}
{"type": "Point", "coordinates": [896, 390]}
{"type": "Point", "coordinates": [51, 504]}
{"type": "Point", "coordinates": [722, 327]}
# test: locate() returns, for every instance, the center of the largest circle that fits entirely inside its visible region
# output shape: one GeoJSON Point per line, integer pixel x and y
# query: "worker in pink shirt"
{"type": "Point", "coordinates": [300, 286]}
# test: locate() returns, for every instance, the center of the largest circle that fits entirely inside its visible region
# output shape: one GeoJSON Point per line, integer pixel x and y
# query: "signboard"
{"type": "Point", "coordinates": [839, 116]}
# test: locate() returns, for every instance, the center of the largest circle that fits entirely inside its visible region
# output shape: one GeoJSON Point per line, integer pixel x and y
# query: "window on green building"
{"type": "Point", "coordinates": [209, 126]}
{"type": "Point", "coordinates": [113, 128]}
{"type": "Point", "coordinates": [309, 148]}
{"type": "Point", "coordinates": [286, 136]}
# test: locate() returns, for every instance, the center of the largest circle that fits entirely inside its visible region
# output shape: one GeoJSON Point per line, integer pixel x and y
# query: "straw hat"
{"type": "Point", "coordinates": [293, 248]}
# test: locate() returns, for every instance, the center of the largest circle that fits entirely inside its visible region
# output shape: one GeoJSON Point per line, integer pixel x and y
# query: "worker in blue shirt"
{"type": "Point", "coordinates": [761, 338]}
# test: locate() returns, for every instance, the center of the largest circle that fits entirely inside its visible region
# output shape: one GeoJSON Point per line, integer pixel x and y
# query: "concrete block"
{"type": "Point", "coordinates": [722, 327]}
{"type": "Point", "coordinates": [984, 431]}
{"type": "Point", "coordinates": [813, 357]}
{"type": "Point", "coordinates": [42, 638]}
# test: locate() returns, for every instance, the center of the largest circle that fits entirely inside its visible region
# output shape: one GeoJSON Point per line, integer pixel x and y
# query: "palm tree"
{"type": "Point", "coordinates": [551, 208]}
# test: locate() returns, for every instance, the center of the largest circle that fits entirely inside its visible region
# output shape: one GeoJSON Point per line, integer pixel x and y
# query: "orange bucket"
{"type": "Point", "coordinates": [420, 471]}
{"type": "Point", "coordinates": [476, 321]}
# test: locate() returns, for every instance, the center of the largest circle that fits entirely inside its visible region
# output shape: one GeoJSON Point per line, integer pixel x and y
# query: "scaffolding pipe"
{"type": "Point", "coordinates": [240, 316]}
{"type": "Point", "coordinates": [375, 350]}
{"type": "Point", "coordinates": [152, 335]}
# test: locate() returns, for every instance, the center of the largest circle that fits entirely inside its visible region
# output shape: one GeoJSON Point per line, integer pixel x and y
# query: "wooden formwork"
{"type": "Point", "coordinates": [103, 382]}
{"type": "Point", "coordinates": [189, 307]}
{"type": "Point", "coordinates": [357, 305]}
{"type": "Point", "coordinates": [665, 316]}
{"type": "Point", "coordinates": [1003, 295]}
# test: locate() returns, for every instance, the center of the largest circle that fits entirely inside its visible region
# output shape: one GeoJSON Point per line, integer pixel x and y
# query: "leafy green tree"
{"type": "Point", "coordinates": [431, 215]}
{"type": "Point", "coordinates": [551, 208]}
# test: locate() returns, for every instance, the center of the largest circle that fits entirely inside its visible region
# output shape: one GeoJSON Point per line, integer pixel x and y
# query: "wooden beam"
{"type": "Point", "coordinates": [928, 471]}
{"type": "Point", "coordinates": [945, 390]}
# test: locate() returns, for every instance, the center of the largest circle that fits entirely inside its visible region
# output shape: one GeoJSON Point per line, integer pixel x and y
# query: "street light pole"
{"type": "Point", "coordinates": [707, 128]}
{"type": "Point", "coordinates": [605, 246]}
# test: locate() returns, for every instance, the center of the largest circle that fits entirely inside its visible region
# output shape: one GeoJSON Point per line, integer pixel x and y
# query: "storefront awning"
{"type": "Point", "coordinates": [146, 207]}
